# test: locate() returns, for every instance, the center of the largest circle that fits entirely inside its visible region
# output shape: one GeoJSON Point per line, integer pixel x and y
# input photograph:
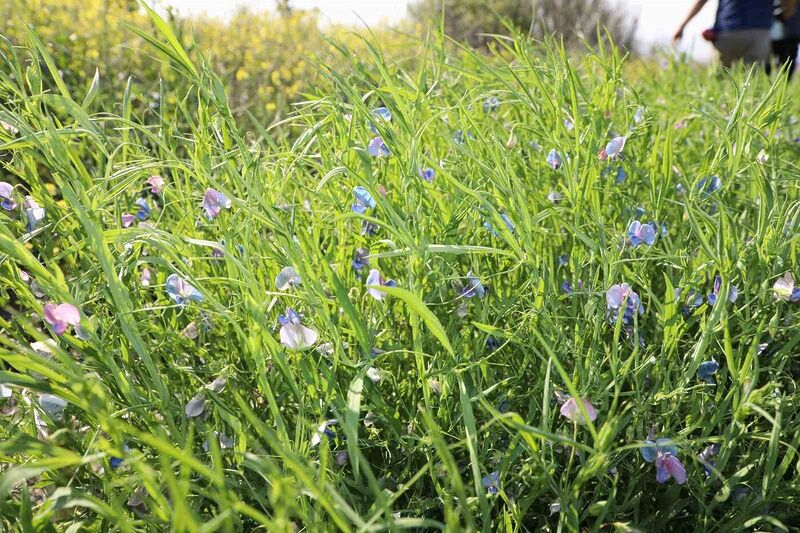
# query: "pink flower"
{"type": "Point", "coordinates": [573, 412]}
{"type": "Point", "coordinates": [127, 220]}
{"type": "Point", "coordinates": [156, 184]}
{"type": "Point", "coordinates": [61, 316]}
{"type": "Point", "coordinates": [214, 202]}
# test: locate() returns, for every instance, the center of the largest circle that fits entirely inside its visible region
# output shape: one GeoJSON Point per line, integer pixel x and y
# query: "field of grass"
{"type": "Point", "coordinates": [550, 315]}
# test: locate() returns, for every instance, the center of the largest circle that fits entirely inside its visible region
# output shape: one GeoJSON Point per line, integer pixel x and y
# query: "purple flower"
{"type": "Point", "coordinates": [181, 290]}
{"type": "Point", "coordinates": [491, 104]}
{"type": "Point", "coordinates": [374, 279]}
{"type": "Point", "coordinates": [61, 316]}
{"type": "Point", "coordinates": [368, 228]}
{"type": "Point", "coordinates": [572, 411]}
{"type": "Point", "coordinates": [784, 288]}
{"type": "Point", "coordinates": [664, 453]}
{"type": "Point", "coordinates": [360, 259]}
{"type": "Point", "coordinates": [33, 212]}
{"type": "Point", "coordinates": [706, 457]}
{"type": "Point", "coordinates": [127, 220]}
{"type": "Point", "coordinates": [294, 335]}
{"type": "Point", "coordinates": [709, 185]}
{"type": "Point", "coordinates": [566, 287]}
{"type": "Point", "coordinates": [640, 233]}
{"type": "Point", "coordinates": [214, 202]}
{"type": "Point", "coordinates": [613, 149]}
{"type": "Point", "coordinates": [491, 483]}
{"type": "Point", "coordinates": [7, 194]}
{"type": "Point", "coordinates": [473, 287]}
{"type": "Point", "coordinates": [378, 148]}
{"type": "Point", "coordinates": [156, 184]}
{"type": "Point", "coordinates": [144, 209]}
{"type": "Point", "coordinates": [427, 174]}
{"type": "Point", "coordinates": [554, 159]}
{"type": "Point", "coordinates": [733, 292]}
{"type": "Point", "coordinates": [619, 294]}
{"type": "Point", "coordinates": [364, 200]}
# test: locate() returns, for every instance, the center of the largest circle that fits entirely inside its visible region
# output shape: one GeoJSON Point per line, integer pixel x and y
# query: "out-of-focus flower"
{"type": "Point", "coordinates": [195, 406]}
{"type": "Point", "coordinates": [144, 209]}
{"type": "Point", "coordinates": [156, 184]}
{"type": "Point", "coordinates": [214, 202]}
{"type": "Point", "coordinates": [360, 259]}
{"type": "Point", "coordinates": [491, 104]}
{"type": "Point", "coordinates": [363, 200]}
{"type": "Point", "coordinates": [572, 411]}
{"type": "Point", "coordinates": [146, 277]}
{"type": "Point", "coordinates": [33, 212]}
{"type": "Point", "coordinates": [128, 220]}
{"type": "Point", "coordinates": [638, 116]}
{"type": "Point", "coordinates": [61, 316]}
{"type": "Point", "coordinates": [294, 335]}
{"type": "Point", "coordinates": [287, 278]}
{"type": "Point", "coordinates": [491, 483]}
{"type": "Point", "coordinates": [374, 279]}
{"type": "Point", "coordinates": [784, 288]}
{"type": "Point", "coordinates": [707, 369]}
{"type": "Point", "coordinates": [7, 199]}
{"type": "Point", "coordinates": [473, 287]}
{"type": "Point", "coordinates": [378, 148]}
{"type": "Point", "coordinates": [181, 290]}
{"type": "Point", "coordinates": [709, 185]}
{"type": "Point", "coordinates": [427, 174]}
{"type": "Point", "coordinates": [323, 430]}
{"type": "Point", "coordinates": [554, 159]}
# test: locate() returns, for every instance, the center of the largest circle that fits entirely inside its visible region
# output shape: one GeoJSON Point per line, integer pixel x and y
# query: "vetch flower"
{"type": "Point", "coordinates": [52, 405]}
{"type": "Point", "coordinates": [572, 411]}
{"type": "Point", "coordinates": [473, 287]}
{"type": "Point", "coordinates": [323, 430]}
{"type": "Point", "coordinates": [427, 174]}
{"type": "Point", "coordinates": [195, 406]}
{"type": "Point", "coordinates": [707, 369]}
{"type": "Point", "coordinates": [621, 176]}
{"type": "Point", "coordinates": [144, 209]}
{"type": "Point", "coordinates": [380, 114]}
{"type": "Point", "coordinates": [360, 259]}
{"type": "Point", "coordinates": [378, 148]}
{"type": "Point", "coordinates": [491, 483]}
{"type": "Point", "coordinates": [146, 277]}
{"type": "Point", "coordinates": [61, 316]}
{"type": "Point", "coordinates": [733, 292]}
{"type": "Point", "coordinates": [294, 335]}
{"type": "Point", "coordinates": [785, 289]}
{"type": "Point", "coordinates": [709, 185]}
{"type": "Point", "coordinates": [509, 224]}
{"type": "Point", "coordinates": [364, 200]}
{"type": "Point", "coordinates": [706, 457]}
{"type": "Point", "coordinates": [568, 124]}
{"type": "Point", "coordinates": [459, 138]}
{"type": "Point", "coordinates": [181, 290]}
{"type": "Point", "coordinates": [664, 453]}
{"type": "Point", "coordinates": [374, 279]}
{"type": "Point", "coordinates": [128, 220]}
{"type": "Point", "coordinates": [613, 149]}
{"type": "Point", "coordinates": [214, 202]}
{"type": "Point", "coordinates": [555, 197]}
{"type": "Point", "coordinates": [287, 278]}
{"type": "Point", "coordinates": [374, 374]}
{"type": "Point", "coordinates": [115, 462]}
{"type": "Point", "coordinates": [7, 195]}
{"type": "Point", "coordinates": [156, 184]}
{"type": "Point", "coordinates": [638, 116]}
{"type": "Point", "coordinates": [640, 233]}
{"type": "Point", "coordinates": [33, 212]}
{"type": "Point", "coordinates": [554, 159]}
{"type": "Point", "coordinates": [616, 296]}
{"type": "Point", "coordinates": [491, 104]}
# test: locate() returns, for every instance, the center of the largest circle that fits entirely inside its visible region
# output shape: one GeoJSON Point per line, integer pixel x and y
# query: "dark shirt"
{"type": "Point", "coordinates": [735, 15]}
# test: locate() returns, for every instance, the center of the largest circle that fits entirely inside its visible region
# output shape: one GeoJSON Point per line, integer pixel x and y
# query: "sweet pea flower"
{"type": "Point", "coordinates": [709, 185]}
{"type": "Point", "coordinates": [52, 405]}
{"type": "Point", "coordinates": [7, 195]}
{"type": "Point", "coordinates": [61, 316]}
{"type": "Point", "coordinates": [146, 277]}
{"type": "Point", "coordinates": [706, 457]}
{"type": "Point", "coordinates": [785, 289]}
{"type": "Point", "coordinates": [360, 259]}
{"type": "Point", "coordinates": [144, 209]}
{"type": "Point", "coordinates": [707, 369]}
{"type": "Point", "coordinates": [568, 124]}
{"type": "Point", "coordinates": [287, 278]}
{"type": "Point", "coordinates": [127, 220]}
{"type": "Point", "coordinates": [459, 138]}
{"type": "Point", "coordinates": [324, 429]}
{"type": "Point", "coordinates": [181, 290]}
{"type": "Point", "coordinates": [156, 184]}
{"type": "Point", "coordinates": [195, 406]}
{"type": "Point", "coordinates": [214, 202]}
{"type": "Point", "coordinates": [33, 212]}
{"type": "Point", "coordinates": [613, 149]}
{"type": "Point", "coordinates": [491, 104]}
{"type": "Point", "coordinates": [638, 117]}
{"type": "Point", "coordinates": [427, 174]}
{"type": "Point", "coordinates": [733, 292]}
{"type": "Point", "coordinates": [621, 176]}
{"type": "Point", "coordinates": [555, 197]}
{"type": "Point", "coordinates": [572, 411]}
{"type": "Point", "coordinates": [664, 453]}
{"type": "Point", "coordinates": [473, 287]}
{"type": "Point", "coordinates": [374, 279]}
{"type": "Point", "coordinates": [382, 114]}
{"type": "Point", "coordinates": [639, 233]}
{"type": "Point", "coordinates": [554, 159]}
{"type": "Point", "coordinates": [491, 483]}
{"type": "Point", "coordinates": [115, 462]}
{"type": "Point", "coordinates": [378, 148]}
{"type": "Point", "coordinates": [294, 335]}
{"type": "Point", "coordinates": [363, 200]}
{"type": "Point", "coordinates": [616, 295]}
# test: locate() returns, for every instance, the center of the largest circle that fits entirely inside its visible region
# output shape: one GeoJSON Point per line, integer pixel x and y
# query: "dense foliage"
{"type": "Point", "coordinates": [506, 292]}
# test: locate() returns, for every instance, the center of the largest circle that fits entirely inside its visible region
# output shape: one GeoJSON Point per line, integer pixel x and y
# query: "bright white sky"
{"type": "Point", "coordinates": [658, 19]}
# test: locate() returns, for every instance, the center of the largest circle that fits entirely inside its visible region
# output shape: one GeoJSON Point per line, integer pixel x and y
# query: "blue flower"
{"type": "Point", "coordinates": [382, 114]}
{"type": "Point", "coordinates": [492, 344]}
{"type": "Point", "coordinates": [458, 137]}
{"type": "Point", "coordinates": [619, 294]}
{"type": "Point", "coordinates": [733, 292]}
{"type": "Point", "coordinates": [566, 287]}
{"type": "Point", "coordinates": [621, 175]}
{"type": "Point", "coordinates": [360, 259]}
{"type": "Point", "coordinates": [364, 200]}
{"type": "Point", "coordinates": [9, 203]}
{"type": "Point", "coordinates": [374, 279]}
{"type": "Point", "coordinates": [491, 104]}
{"type": "Point", "coordinates": [554, 159]}
{"type": "Point", "coordinates": [709, 185]}
{"type": "Point", "coordinates": [491, 483]}
{"type": "Point", "coordinates": [707, 369]}
{"type": "Point", "coordinates": [144, 209]}
{"type": "Point", "coordinates": [115, 462]}
{"type": "Point", "coordinates": [639, 233]}
{"type": "Point", "coordinates": [378, 148]}
{"type": "Point", "coordinates": [706, 457]}
{"type": "Point", "coordinates": [563, 260]}
{"type": "Point", "coordinates": [509, 224]}
{"type": "Point", "coordinates": [473, 287]}
{"type": "Point", "coordinates": [181, 291]}
{"type": "Point", "coordinates": [427, 174]}
{"type": "Point", "coordinates": [664, 453]}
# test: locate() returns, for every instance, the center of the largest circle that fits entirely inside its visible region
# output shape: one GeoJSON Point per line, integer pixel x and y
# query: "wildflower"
{"type": "Point", "coordinates": [664, 454]}
{"type": "Point", "coordinates": [563, 260]}
{"type": "Point", "coordinates": [374, 374]}
{"type": "Point", "coordinates": [459, 138]}
{"type": "Point", "coordinates": [568, 124]}
{"type": "Point", "coordinates": [492, 344]}
{"type": "Point", "coordinates": [378, 148]}
{"type": "Point", "coordinates": [709, 185]}
{"type": "Point", "coordinates": [5, 392]}
{"type": "Point", "coordinates": [156, 184]}
{"type": "Point", "coordinates": [554, 159]}
{"type": "Point", "coordinates": [566, 287]}
{"type": "Point", "coordinates": [115, 462]}
{"type": "Point", "coordinates": [294, 335]}
{"type": "Point", "coordinates": [491, 483]}
{"type": "Point", "coordinates": [706, 457]}
{"type": "Point", "coordinates": [509, 224]}
{"type": "Point", "coordinates": [762, 157]}
{"type": "Point", "coordinates": [512, 141]}
{"type": "Point", "coordinates": [616, 295]}
{"type": "Point", "coordinates": [191, 331]}
{"type": "Point", "coordinates": [225, 442]}
{"type": "Point", "coordinates": [785, 289]}
{"type": "Point", "coordinates": [381, 114]}
{"type": "Point", "coordinates": [621, 176]}
{"type": "Point", "coordinates": [7, 194]}
{"type": "Point", "coordinates": [52, 405]}
{"type": "Point", "coordinates": [376, 280]}
{"type": "Point", "coordinates": [33, 212]}
{"type": "Point", "coordinates": [491, 104]}
{"type": "Point", "coordinates": [218, 385]}
{"type": "Point", "coordinates": [360, 259]}
{"type": "Point", "coordinates": [181, 290]}
{"type": "Point", "coordinates": [287, 278]}
{"type": "Point", "coordinates": [144, 209]}
{"type": "Point", "coordinates": [427, 174]}
{"type": "Point", "coordinates": [694, 298]}
{"type": "Point", "coordinates": [707, 369]}
{"type": "Point", "coordinates": [61, 316]}
{"type": "Point", "coordinates": [554, 508]}
{"type": "Point", "coordinates": [8, 127]}
{"type": "Point", "coordinates": [368, 228]}
{"type": "Point", "coordinates": [214, 202]}
{"type": "Point", "coordinates": [640, 233]}
{"type": "Point", "coordinates": [146, 277]}
{"type": "Point", "coordinates": [555, 197]}
{"type": "Point", "coordinates": [638, 116]}
{"type": "Point", "coordinates": [572, 411]}
{"type": "Point", "coordinates": [127, 220]}
{"type": "Point", "coordinates": [195, 406]}
{"type": "Point", "coordinates": [364, 200]}
{"type": "Point", "coordinates": [323, 429]}
{"type": "Point", "coordinates": [474, 287]}
{"type": "Point", "coordinates": [733, 292]}
{"type": "Point", "coordinates": [613, 149]}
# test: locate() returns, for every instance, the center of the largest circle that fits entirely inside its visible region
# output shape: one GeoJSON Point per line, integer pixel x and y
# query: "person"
{"type": "Point", "coordinates": [741, 29]}
{"type": "Point", "coordinates": [785, 38]}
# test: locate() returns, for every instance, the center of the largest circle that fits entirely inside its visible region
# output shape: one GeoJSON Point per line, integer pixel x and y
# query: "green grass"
{"type": "Point", "coordinates": [448, 410]}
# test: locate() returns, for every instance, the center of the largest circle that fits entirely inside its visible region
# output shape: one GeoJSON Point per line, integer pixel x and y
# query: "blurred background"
{"type": "Point", "coordinates": [267, 51]}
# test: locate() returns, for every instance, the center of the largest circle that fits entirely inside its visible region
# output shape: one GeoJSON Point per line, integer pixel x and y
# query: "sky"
{"type": "Point", "coordinates": [658, 19]}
